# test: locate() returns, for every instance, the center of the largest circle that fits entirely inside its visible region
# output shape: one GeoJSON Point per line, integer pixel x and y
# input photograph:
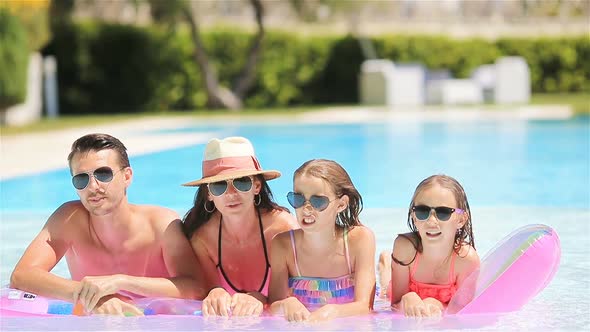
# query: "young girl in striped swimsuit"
{"type": "Point", "coordinates": [327, 266]}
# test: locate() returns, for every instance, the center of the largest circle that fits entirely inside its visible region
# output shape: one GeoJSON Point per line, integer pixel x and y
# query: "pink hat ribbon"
{"type": "Point", "coordinates": [230, 164]}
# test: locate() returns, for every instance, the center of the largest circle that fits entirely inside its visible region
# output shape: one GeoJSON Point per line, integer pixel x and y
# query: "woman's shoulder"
{"type": "Point", "coordinates": [209, 231]}
{"type": "Point", "coordinates": [159, 216]}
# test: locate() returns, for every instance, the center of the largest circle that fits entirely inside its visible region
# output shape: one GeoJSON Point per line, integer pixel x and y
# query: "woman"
{"type": "Point", "coordinates": [231, 226]}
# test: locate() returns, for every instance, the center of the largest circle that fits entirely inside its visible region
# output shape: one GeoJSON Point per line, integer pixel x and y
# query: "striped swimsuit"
{"type": "Point", "coordinates": [320, 291]}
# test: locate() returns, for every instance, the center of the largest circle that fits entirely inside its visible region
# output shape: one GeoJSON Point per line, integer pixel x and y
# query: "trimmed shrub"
{"type": "Point", "coordinates": [34, 17]}
{"type": "Point", "coordinates": [14, 59]}
{"type": "Point", "coordinates": [118, 68]}
{"type": "Point", "coordinates": [109, 68]}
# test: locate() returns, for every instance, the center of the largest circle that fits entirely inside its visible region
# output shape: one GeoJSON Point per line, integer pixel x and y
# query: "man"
{"type": "Point", "coordinates": [111, 246]}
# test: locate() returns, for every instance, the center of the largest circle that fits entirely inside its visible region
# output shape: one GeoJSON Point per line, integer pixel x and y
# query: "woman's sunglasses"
{"type": "Point", "coordinates": [103, 174]}
{"type": "Point", "coordinates": [442, 213]}
{"type": "Point", "coordinates": [243, 184]}
{"type": "Point", "coordinates": [320, 203]}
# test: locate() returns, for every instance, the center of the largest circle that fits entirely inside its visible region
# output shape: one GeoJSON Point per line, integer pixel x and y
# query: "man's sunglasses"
{"type": "Point", "coordinates": [103, 174]}
{"type": "Point", "coordinates": [243, 184]}
{"type": "Point", "coordinates": [320, 203]}
{"type": "Point", "coordinates": [442, 213]}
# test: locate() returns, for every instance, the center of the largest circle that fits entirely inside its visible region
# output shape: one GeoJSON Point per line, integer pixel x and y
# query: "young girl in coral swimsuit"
{"type": "Point", "coordinates": [431, 262]}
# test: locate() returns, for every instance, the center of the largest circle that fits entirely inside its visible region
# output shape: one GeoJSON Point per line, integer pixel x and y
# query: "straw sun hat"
{"type": "Point", "coordinates": [230, 158]}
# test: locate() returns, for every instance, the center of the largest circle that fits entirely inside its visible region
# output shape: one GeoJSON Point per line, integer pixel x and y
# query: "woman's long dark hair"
{"type": "Point", "coordinates": [197, 216]}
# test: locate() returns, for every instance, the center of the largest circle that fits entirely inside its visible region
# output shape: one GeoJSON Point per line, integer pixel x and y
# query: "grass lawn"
{"type": "Point", "coordinates": [579, 102]}
{"type": "Point", "coordinates": [73, 121]}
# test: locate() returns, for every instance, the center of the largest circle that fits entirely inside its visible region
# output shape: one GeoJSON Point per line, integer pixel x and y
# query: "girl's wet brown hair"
{"type": "Point", "coordinates": [339, 180]}
{"type": "Point", "coordinates": [464, 235]}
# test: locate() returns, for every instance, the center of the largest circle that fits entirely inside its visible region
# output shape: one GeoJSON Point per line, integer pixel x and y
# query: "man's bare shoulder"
{"type": "Point", "coordinates": [68, 222]}
{"type": "Point", "coordinates": [158, 215]}
{"type": "Point", "coordinates": [69, 213]}
{"type": "Point", "coordinates": [157, 220]}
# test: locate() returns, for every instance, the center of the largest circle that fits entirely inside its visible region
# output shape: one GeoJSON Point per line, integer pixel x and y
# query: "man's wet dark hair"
{"type": "Point", "coordinates": [98, 142]}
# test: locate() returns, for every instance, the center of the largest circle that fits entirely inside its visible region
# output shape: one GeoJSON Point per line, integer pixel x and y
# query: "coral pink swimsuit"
{"type": "Point", "coordinates": [443, 293]}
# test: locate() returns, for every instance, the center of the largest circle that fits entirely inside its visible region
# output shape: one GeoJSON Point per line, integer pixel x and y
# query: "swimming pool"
{"type": "Point", "coordinates": [515, 172]}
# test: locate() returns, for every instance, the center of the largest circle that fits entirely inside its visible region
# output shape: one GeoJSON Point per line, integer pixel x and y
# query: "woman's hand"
{"type": "Point", "coordinates": [413, 306]}
{"type": "Point", "coordinates": [245, 305]}
{"type": "Point", "coordinates": [92, 289]}
{"type": "Point", "coordinates": [217, 303]}
{"type": "Point", "coordinates": [294, 310]}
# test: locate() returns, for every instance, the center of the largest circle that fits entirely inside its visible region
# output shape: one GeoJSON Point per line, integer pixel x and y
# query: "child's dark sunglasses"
{"type": "Point", "coordinates": [442, 213]}
{"type": "Point", "coordinates": [243, 184]}
{"type": "Point", "coordinates": [320, 203]}
{"type": "Point", "coordinates": [102, 174]}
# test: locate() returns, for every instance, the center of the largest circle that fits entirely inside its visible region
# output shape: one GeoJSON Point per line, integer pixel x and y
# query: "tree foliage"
{"type": "Point", "coordinates": [14, 55]}
{"type": "Point", "coordinates": [218, 95]}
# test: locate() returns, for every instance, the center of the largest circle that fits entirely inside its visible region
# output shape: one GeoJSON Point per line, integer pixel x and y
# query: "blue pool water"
{"type": "Point", "coordinates": [514, 163]}
{"type": "Point", "coordinates": [515, 172]}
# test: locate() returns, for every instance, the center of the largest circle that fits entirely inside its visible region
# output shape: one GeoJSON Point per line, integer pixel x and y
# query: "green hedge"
{"type": "Point", "coordinates": [14, 59]}
{"type": "Point", "coordinates": [557, 65]}
{"type": "Point", "coordinates": [118, 68]}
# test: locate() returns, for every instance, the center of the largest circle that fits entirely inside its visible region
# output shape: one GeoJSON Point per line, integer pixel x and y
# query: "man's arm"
{"type": "Point", "coordinates": [31, 273]}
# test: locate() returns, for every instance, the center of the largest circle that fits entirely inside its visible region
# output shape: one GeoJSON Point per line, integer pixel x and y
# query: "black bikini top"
{"type": "Point", "coordinates": [265, 257]}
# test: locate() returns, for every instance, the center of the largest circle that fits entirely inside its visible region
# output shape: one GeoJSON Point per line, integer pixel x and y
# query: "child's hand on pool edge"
{"type": "Point", "coordinates": [112, 305]}
{"type": "Point", "coordinates": [413, 306]}
{"type": "Point", "coordinates": [433, 307]}
{"type": "Point", "coordinates": [294, 310]}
